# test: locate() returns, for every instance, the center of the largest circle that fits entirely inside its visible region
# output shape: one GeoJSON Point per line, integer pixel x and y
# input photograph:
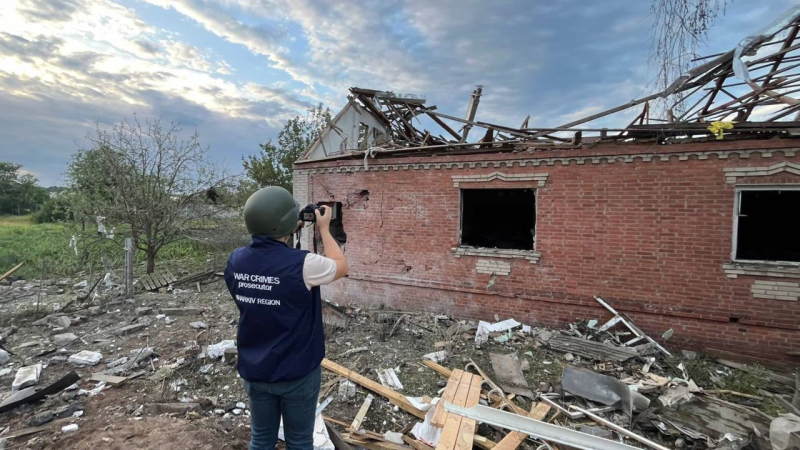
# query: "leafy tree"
{"type": "Point", "coordinates": [19, 193]}
{"type": "Point", "coordinates": [272, 166]}
{"type": "Point", "coordinates": [146, 177]}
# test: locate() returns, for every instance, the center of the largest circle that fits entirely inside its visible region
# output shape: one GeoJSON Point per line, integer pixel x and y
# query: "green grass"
{"type": "Point", "coordinates": [22, 240]}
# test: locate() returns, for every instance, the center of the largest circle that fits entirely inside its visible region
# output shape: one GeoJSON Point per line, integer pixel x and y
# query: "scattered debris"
{"type": "Point", "coordinates": [198, 325]}
{"type": "Point", "coordinates": [681, 392]}
{"type": "Point", "coordinates": [61, 340]}
{"type": "Point", "coordinates": [388, 378]}
{"type": "Point", "coordinates": [715, 418]}
{"type": "Point", "coordinates": [602, 389]}
{"type": "Point", "coordinates": [181, 311]}
{"type": "Point", "coordinates": [638, 334]}
{"type": "Point", "coordinates": [354, 350]}
{"type": "Point", "coordinates": [26, 376]}
{"type": "Point", "coordinates": [217, 350]}
{"type": "Point", "coordinates": [71, 428]}
{"type": "Point", "coordinates": [485, 329]}
{"type": "Point", "coordinates": [130, 329]}
{"type": "Point", "coordinates": [396, 398]}
{"type": "Point", "coordinates": [508, 372]}
{"type": "Point", "coordinates": [86, 358]}
{"type": "Point", "coordinates": [347, 389]}
{"type": "Point", "coordinates": [436, 357]}
{"type": "Point", "coordinates": [30, 394]}
{"type": "Point", "coordinates": [356, 425]}
{"type": "Point", "coordinates": [591, 349]}
{"type": "Point", "coordinates": [784, 432]}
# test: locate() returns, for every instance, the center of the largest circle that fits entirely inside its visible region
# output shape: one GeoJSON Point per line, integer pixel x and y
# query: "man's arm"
{"type": "Point", "coordinates": [332, 249]}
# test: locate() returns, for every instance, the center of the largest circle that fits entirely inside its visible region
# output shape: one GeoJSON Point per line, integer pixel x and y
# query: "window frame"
{"type": "Point", "coordinates": [736, 206]}
{"type": "Point", "coordinates": [504, 250]}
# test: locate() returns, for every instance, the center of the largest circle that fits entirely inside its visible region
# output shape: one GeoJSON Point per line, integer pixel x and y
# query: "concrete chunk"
{"type": "Point", "coordinates": [198, 325]}
{"type": "Point", "coordinates": [64, 339]}
{"type": "Point", "coordinates": [26, 376]}
{"type": "Point", "coordinates": [171, 408]}
{"type": "Point", "coordinates": [86, 358]}
{"type": "Point", "coordinates": [181, 311]}
{"type": "Point", "coordinates": [144, 311]}
{"type": "Point", "coordinates": [130, 329]}
{"type": "Point", "coordinates": [62, 321]}
{"type": "Point", "coordinates": [216, 350]}
{"type": "Point", "coordinates": [4, 357]}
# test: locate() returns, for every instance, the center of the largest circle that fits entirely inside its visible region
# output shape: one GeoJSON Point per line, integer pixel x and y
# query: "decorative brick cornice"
{"type": "Point", "coordinates": [561, 160]}
{"type": "Point", "coordinates": [539, 178]}
{"type": "Point", "coordinates": [734, 173]}
{"type": "Point", "coordinates": [531, 255]}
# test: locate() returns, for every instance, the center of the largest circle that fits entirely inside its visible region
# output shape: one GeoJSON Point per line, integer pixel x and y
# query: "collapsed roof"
{"type": "Point", "coordinates": [745, 92]}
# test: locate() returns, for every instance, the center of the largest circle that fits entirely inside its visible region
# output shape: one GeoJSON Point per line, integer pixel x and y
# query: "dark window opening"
{"type": "Point", "coordinates": [498, 218]}
{"type": "Point", "coordinates": [363, 133]}
{"type": "Point", "coordinates": [768, 225]}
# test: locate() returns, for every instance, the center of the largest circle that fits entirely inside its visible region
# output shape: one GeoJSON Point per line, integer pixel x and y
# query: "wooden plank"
{"type": "Point", "coordinates": [417, 445]}
{"type": "Point", "coordinates": [336, 421]}
{"type": "Point", "coordinates": [13, 269]}
{"type": "Point", "coordinates": [159, 277]}
{"type": "Point", "coordinates": [110, 379]}
{"type": "Point", "coordinates": [441, 370]}
{"type": "Point", "coordinates": [466, 431]}
{"type": "Point", "coordinates": [452, 422]}
{"type": "Point", "coordinates": [447, 396]}
{"type": "Point", "coordinates": [483, 443]}
{"type": "Point", "coordinates": [372, 444]}
{"type": "Point", "coordinates": [170, 277]}
{"type": "Point", "coordinates": [444, 126]}
{"type": "Point", "coordinates": [514, 439]}
{"type": "Point", "coordinates": [356, 425]}
{"type": "Point", "coordinates": [396, 398]}
{"type": "Point", "coordinates": [165, 276]}
{"type": "Point", "coordinates": [145, 279]}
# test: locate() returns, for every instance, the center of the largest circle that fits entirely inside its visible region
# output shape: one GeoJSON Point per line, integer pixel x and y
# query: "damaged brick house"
{"type": "Point", "coordinates": [691, 223]}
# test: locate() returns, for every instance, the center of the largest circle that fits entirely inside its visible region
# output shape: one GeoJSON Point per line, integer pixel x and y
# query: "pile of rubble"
{"type": "Point", "coordinates": [81, 373]}
{"type": "Point", "coordinates": [592, 386]}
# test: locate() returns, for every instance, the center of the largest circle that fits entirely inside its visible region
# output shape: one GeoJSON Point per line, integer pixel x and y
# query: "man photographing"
{"type": "Point", "coordinates": [280, 339]}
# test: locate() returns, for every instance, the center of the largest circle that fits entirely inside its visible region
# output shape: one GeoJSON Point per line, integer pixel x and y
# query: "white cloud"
{"type": "Point", "coordinates": [258, 40]}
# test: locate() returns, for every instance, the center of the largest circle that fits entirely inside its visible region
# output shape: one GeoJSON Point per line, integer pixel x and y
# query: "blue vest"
{"type": "Point", "coordinates": [280, 335]}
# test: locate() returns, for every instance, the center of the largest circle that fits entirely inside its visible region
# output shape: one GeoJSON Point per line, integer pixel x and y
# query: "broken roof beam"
{"type": "Point", "coordinates": [513, 131]}
{"type": "Point", "coordinates": [472, 109]}
{"type": "Point", "coordinates": [444, 126]}
{"type": "Point", "coordinates": [409, 129]}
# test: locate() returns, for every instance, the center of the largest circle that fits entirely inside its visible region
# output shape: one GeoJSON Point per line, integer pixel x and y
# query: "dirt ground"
{"type": "Point", "coordinates": [179, 372]}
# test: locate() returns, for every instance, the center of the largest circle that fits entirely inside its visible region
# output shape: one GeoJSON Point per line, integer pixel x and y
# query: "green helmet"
{"type": "Point", "coordinates": [271, 212]}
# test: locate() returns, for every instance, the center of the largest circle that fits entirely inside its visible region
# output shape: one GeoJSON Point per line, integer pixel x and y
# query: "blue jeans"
{"type": "Point", "coordinates": [295, 400]}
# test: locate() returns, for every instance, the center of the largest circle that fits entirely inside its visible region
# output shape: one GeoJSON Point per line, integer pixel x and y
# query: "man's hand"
{"type": "Point", "coordinates": [324, 220]}
{"type": "Point", "coordinates": [300, 225]}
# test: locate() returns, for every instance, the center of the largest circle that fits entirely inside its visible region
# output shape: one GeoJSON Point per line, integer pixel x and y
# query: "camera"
{"type": "Point", "coordinates": [308, 214]}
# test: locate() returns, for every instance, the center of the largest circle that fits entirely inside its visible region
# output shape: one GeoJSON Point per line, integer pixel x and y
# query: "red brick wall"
{"type": "Point", "coordinates": [650, 237]}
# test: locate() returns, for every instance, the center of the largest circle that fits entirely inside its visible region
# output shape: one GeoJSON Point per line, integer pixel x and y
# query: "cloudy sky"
{"type": "Point", "coordinates": [235, 70]}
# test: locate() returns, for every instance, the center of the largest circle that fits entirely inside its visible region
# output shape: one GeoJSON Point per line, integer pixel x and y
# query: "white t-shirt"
{"type": "Point", "coordinates": [318, 270]}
